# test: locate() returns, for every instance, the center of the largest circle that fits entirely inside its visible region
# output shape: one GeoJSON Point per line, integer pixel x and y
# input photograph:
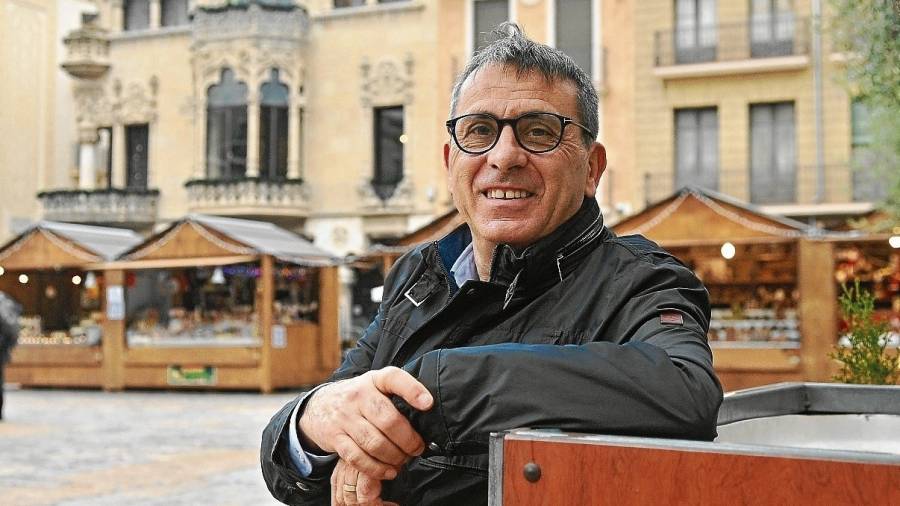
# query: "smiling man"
{"type": "Point", "coordinates": [532, 314]}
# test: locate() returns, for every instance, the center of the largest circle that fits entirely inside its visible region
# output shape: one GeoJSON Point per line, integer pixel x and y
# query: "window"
{"type": "Point", "coordinates": [771, 28]}
{"type": "Point", "coordinates": [137, 15]}
{"type": "Point", "coordinates": [348, 3]}
{"type": "Point", "coordinates": [389, 139]}
{"type": "Point", "coordinates": [695, 31]}
{"type": "Point", "coordinates": [573, 31]}
{"type": "Point", "coordinates": [226, 128]}
{"type": "Point", "coordinates": [487, 15]}
{"type": "Point", "coordinates": [273, 128]}
{"type": "Point", "coordinates": [866, 184]}
{"type": "Point", "coordinates": [697, 148]}
{"type": "Point", "coordinates": [772, 165]}
{"type": "Point", "coordinates": [174, 12]}
{"type": "Point", "coordinates": [136, 145]}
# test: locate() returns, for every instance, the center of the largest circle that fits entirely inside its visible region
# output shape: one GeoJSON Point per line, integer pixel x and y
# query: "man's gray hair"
{"type": "Point", "coordinates": [511, 47]}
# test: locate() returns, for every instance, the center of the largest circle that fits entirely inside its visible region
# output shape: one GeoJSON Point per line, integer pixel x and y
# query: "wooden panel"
{"type": "Point", "coordinates": [597, 474]}
{"type": "Point", "coordinates": [756, 359]}
{"type": "Point", "coordinates": [228, 378]}
{"type": "Point", "coordinates": [55, 376]}
{"type": "Point", "coordinates": [265, 301]}
{"type": "Point", "coordinates": [818, 308]}
{"type": "Point", "coordinates": [171, 263]}
{"type": "Point", "coordinates": [49, 356]}
{"type": "Point", "coordinates": [239, 357]}
{"type": "Point", "coordinates": [298, 364]}
{"type": "Point", "coordinates": [682, 223]}
{"type": "Point", "coordinates": [35, 252]}
{"type": "Point", "coordinates": [113, 340]}
{"type": "Point", "coordinates": [185, 242]}
{"type": "Point", "coordinates": [329, 290]}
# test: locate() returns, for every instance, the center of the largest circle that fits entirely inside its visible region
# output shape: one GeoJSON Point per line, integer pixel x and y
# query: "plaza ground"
{"type": "Point", "coordinates": [74, 448]}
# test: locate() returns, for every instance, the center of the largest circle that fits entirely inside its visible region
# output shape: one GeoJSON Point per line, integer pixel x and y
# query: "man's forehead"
{"type": "Point", "coordinates": [506, 83]}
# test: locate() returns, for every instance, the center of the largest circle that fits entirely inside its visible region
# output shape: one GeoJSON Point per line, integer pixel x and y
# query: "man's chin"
{"type": "Point", "coordinates": [513, 232]}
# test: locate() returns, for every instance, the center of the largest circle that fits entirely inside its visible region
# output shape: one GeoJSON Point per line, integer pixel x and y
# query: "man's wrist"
{"type": "Point", "coordinates": [303, 429]}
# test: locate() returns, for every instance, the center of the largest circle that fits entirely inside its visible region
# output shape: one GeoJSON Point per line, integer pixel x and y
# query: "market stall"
{"type": "Point", "coordinates": [773, 310]}
{"type": "Point", "coordinates": [47, 270]}
{"type": "Point", "coordinates": [224, 303]}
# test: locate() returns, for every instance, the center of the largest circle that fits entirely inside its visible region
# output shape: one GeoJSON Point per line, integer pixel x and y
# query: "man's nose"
{"type": "Point", "coordinates": [507, 153]}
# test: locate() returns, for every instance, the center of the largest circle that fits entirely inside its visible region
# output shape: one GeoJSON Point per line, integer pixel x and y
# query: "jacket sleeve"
{"type": "Point", "coordinates": [649, 378]}
{"type": "Point", "coordinates": [283, 480]}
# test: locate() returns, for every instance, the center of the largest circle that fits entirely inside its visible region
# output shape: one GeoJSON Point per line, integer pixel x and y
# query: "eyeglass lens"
{"type": "Point", "coordinates": [535, 132]}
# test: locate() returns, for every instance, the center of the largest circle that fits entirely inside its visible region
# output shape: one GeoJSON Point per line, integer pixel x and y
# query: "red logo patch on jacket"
{"type": "Point", "coordinates": [671, 318]}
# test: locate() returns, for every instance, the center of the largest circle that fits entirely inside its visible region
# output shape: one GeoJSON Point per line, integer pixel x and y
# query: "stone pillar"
{"type": "Point", "coordinates": [200, 139]}
{"type": "Point", "coordinates": [118, 156]}
{"type": "Point", "coordinates": [253, 134]}
{"type": "Point", "coordinates": [294, 136]}
{"type": "Point", "coordinates": [87, 159]}
{"type": "Point", "coordinates": [155, 14]}
{"type": "Point", "coordinates": [117, 15]}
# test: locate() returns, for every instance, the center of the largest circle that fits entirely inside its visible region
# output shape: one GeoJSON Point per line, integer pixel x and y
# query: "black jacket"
{"type": "Point", "coordinates": [566, 334]}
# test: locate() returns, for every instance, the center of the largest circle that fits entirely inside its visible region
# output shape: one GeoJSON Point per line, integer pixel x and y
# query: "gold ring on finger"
{"type": "Point", "coordinates": [349, 488]}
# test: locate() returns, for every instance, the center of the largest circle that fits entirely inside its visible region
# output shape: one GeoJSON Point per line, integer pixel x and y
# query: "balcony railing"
{"type": "Point", "coordinates": [110, 206]}
{"type": "Point", "coordinates": [783, 35]}
{"type": "Point", "coordinates": [248, 196]}
{"type": "Point", "coordinates": [843, 184]}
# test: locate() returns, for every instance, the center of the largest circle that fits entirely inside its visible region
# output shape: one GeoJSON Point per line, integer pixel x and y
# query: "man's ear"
{"type": "Point", "coordinates": [596, 166]}
{"type": "Point", "coordinates": [447, 156]}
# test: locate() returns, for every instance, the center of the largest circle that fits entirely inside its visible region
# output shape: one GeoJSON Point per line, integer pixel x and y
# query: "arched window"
{"type": "Point", "coordinates": [273, 128]}
{"type": "Point", "coordinates": [226, 128]}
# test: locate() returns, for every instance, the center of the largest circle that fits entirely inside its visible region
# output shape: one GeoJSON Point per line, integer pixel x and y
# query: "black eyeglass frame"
{"type": "Point", "coordinates": [564, 121]}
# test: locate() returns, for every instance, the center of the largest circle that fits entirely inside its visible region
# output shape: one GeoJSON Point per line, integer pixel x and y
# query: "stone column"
{"type": "Point", "coordinates": [253, 134]}
{"type": "Point", "coordinates": [117, 14]}
{"type": "Point", "coordinates": [294, 136]}
{"type": "Point", "coordinates": [155, 15]}
{"type": "Point", "coordinates": [87, 159]}
{"type": "Point", "coordinates": [200, 139]}
{"type": "Point", "coordinates": [118, 156]}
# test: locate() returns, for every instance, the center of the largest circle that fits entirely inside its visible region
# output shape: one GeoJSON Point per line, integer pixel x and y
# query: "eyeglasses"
{"type": "Point", "coordinates": [536, 132]}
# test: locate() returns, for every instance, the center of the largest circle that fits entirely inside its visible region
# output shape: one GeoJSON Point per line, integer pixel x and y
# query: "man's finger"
{"type": "Point", "coordinates": [392, 380]}
{"type": "Point", "coordinates": [337, 477]}
{"type": "Point", "coordinates": [350, 479]}
{"type": "Point", "coordinates": [349, 451]}
{"type": "Point", "coordinates": [376, 443]}
{"type": "Point", "coordinates": [368, 489]}
{"type": "Point", "coordinates": [382, 414]}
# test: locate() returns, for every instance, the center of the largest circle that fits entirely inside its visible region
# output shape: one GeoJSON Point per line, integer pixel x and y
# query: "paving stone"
{"type": "Point", "coordinates": [80, 448]}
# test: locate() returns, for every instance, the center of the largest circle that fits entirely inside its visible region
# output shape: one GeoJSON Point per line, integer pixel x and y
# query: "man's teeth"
{"type": "Point", "coordinates": [506, 194]}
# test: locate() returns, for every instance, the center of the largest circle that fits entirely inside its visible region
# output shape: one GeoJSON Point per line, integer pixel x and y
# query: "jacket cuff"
{"type": "Point", "coordinates": [429, 424]}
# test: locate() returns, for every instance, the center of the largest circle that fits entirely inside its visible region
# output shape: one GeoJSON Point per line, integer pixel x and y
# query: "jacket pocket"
{"type": "Point", "coordinates": [476, 465]}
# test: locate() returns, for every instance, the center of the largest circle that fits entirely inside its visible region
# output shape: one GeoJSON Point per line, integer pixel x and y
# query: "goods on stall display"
{"type": "Point", "coordinates": [877, 268]}
{"type": "Point", "coordinates": [86, 333]}
{"type": "Point", "coordinates": [755, 326]}
{"type": "Point", "coordinates": [213, 306]}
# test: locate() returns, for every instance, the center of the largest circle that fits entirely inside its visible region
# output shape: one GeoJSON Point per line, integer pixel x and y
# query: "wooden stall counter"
{"type": "Point", "coordinates": [56, 366]}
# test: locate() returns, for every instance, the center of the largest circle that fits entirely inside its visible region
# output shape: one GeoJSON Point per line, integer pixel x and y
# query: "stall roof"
{"type": "Point", "coordinates": [201, 236]}
{"type": "Point", "coordinates": [50, 244]}
{"type": "Point", "coordinates": [431, 231]}
{"type": "Point", "coordinates": [696, 214]}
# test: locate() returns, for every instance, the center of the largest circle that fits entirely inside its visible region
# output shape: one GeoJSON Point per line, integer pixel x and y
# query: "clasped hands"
{"type": "Point", "coordinates": [356, 419]}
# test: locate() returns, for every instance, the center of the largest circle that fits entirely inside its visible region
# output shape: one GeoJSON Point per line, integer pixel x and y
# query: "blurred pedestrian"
{"type": "Point", "coordinates": [9, 334]}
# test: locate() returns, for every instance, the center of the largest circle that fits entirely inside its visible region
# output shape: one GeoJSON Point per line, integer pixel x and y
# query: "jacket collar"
{"type": "Point", "coordinates": [542, 263]}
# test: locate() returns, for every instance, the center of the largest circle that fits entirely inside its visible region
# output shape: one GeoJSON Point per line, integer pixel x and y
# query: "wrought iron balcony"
{"type": "Point", "coordinates": [110, 206]}
{"type": "Point", "coordinates": [251, 196]}
{"type": "Point", "coordinates": [778, 36]}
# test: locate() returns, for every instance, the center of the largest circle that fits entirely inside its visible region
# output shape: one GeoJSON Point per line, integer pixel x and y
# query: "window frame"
{"type": "Point", "coordinates": [683, 179]}
{"type": "Point", "coordinates": [383, 185]}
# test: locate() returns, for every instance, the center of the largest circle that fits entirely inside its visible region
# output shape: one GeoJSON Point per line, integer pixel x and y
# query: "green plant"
{"type": "Point", "coordinates": [864, 360]}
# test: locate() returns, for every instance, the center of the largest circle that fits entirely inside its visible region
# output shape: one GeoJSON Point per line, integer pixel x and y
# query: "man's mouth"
{"type": "Point", "coordinates": [507, 194]}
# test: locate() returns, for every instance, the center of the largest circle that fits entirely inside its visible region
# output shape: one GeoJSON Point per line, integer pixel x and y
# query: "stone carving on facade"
{"type": "Point", "coordinates": [387, 82]}
{"type": "Point", "coordinates": [134, 102]}
{"type": "Point", "coordinates": [249, 194]}
{"type": "Point", "coordinates": [400, 202]}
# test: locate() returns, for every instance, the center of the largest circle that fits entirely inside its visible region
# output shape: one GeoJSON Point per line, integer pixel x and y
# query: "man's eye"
{"type": "Point", "coordinates": [481, 130]}
{"type": "Point", "coordinates": [539, 132]}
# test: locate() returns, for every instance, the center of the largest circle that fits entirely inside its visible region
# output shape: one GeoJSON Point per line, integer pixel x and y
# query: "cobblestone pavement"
{"type": "Point", "coordinates": [76, 448]}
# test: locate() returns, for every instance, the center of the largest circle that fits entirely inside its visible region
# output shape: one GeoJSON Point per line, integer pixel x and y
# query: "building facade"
{"type": "Point", "coordinates": [744, 97]}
